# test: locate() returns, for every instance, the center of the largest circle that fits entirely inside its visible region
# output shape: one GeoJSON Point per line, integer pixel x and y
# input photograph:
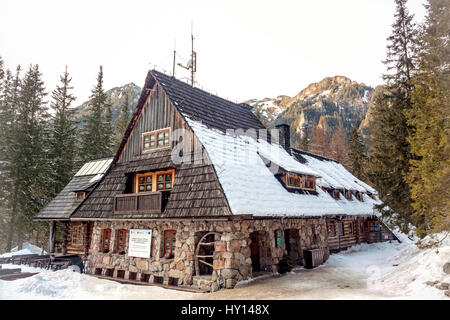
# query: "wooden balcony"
{"type": "Point", "coordinates": [144, 202]}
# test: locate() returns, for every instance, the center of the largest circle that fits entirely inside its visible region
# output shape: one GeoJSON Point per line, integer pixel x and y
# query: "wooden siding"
{"type": "Point", "coordinates": [196, 189]}
{"type": "Point", "coordinates": [157, 113]}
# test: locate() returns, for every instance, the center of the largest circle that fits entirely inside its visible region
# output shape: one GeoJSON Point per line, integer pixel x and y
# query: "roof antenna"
{"type": "Point", "coordinates": [174, 56]}
{"type": "Point", "coordinates": [192, 63]}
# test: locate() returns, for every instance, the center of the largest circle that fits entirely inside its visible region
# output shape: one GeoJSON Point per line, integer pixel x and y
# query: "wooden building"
{"type": "Point", "coordinates": [201, 195]}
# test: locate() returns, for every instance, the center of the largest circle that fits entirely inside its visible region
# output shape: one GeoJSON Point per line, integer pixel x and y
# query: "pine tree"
{"type": "Point", "coordinates": [29, 152]}
{"type": "Point", "coordinates": [357, 154]}
{"type": "Point", "coordinates": [95, 141]}
{"type": "Point", "coordinates": [430, 117]}
{"type": "Point", "coordinates": [63, 135]}
{"type": "Point", "coordinates": [389, 163]}
{"type": "Point", "coordinates": [10, 105]}
{"type": "Point", "coordinates": [122, 122]}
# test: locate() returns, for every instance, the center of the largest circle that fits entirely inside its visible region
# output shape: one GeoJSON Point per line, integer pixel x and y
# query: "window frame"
{"type": "Point", "coordinates": [118, 248]}
{"type": "Point", "coordinates": [154, 175]}
{"type": "Point", "coordinates": [156, 133]}
{"type": "Point", "coordinates": [331, 227]}
{"type": "Point", "coordinates": [77, 238]}
{"type": "Point", "coordinates": [336, 194]}
{"type": "Point", "coordinates": [302, 181]}
{"type": "Point", "coordinates": [278, 235]}
{"type": "Point", "coordinates": [348, 195]}
{"type": "Point", "coordinates": [359, 196]}
{"type": "Point", "coordinates": [103, 248]}
{"type": "Point", "coordinates": [78, 196]}
{"type": "Point", "coordinates": [172, 242]}
{"type": "Point", "coordinates": [340, 229]}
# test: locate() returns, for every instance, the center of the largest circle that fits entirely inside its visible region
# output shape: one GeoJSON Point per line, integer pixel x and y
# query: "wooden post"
{"type": "Point", "coordinates": [51, 242]}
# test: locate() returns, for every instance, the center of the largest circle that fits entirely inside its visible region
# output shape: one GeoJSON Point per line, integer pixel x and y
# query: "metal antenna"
{"type": "Point", "coordinates": [192, 63]}
{"type": "Point", "coordinates": [174, 56]}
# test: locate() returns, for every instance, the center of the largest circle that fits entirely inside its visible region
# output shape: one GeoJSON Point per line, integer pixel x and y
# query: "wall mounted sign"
{"type": "Point", "coordinates": [140, 243]}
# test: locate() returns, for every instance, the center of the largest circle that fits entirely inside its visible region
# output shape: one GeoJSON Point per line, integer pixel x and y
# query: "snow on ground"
{"type": "Point", "coordinates": [27, 248]}
{"type": "Point", "coordinates": [388, 270]}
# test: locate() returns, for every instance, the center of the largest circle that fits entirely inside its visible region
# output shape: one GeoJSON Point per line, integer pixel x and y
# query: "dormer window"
{"type": "Point", "coordinates": [336, 194]}
{"type": "Point", "coordinates": [154, 181]}
{"type": "Point", "coordinates": [155, 139]}
{"type": "Point", "coordinates": [348, 194]}
{"type": "Point", "coordinates": [297, 181]}
{"type": "Point", "coordinates": [80, 195]}
{"type": "Point", "coordinates": [359, 196]}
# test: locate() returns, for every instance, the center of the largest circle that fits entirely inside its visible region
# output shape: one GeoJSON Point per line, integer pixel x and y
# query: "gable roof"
{"type": "Point", "coordinates": [249, 187]}
{"type": "Point", "coordinates": [65, 203]}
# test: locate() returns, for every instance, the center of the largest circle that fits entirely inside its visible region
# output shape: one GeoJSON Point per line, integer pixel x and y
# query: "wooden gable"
{"type": "Point", "coordinates": [196, 190]}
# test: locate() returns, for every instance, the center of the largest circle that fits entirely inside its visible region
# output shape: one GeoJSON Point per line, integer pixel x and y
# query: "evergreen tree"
{"type": "Point", "coordinates": [64, 133]}
{"type": "Point", "coordinates": [8, 170]}
{"type": "Point", "coordinates": [95, 140]}
{"type": "Point", "coordinates": [122, 122]}
{"type": "Point", "coordinates": [429, 176]}
{"type": "Point", "coordinates": [29, 158]}
{"type": "Point", "coordinates": [357, 154]}
{"type": "Point", "coordinates": [389, 163]}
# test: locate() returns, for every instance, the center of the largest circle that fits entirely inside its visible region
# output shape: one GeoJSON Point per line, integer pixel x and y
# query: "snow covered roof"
{"type": "Point", "coordinates": [333, 174]}
{"type": "Point", "coordinates": [251, 186]}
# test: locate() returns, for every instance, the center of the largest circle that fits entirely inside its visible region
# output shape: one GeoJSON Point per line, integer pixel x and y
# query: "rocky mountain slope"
{"type": "Point", "coordinates": [116, 97]}
{"type": "Point", "coordinates": [325, 102]}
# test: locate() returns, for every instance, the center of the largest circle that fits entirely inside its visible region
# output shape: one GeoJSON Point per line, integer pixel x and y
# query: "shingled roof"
{"type": "Point", "coordinates": [65, 203]}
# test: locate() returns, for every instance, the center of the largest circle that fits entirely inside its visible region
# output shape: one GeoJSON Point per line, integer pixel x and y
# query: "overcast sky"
{"type": "Point", "coordinates": [245, 49]}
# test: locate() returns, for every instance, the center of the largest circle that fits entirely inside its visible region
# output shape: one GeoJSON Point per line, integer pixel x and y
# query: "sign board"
{"type": "Point", "coordinates": [140, 243]}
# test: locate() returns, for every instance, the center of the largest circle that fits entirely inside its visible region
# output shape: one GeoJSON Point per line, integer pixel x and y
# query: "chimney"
{"type": "Point", "coordinates": [285, 136]}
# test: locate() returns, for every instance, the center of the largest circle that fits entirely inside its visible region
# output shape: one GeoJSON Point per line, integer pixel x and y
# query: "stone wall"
{"type": "Point", "coordinates": [232, 260]}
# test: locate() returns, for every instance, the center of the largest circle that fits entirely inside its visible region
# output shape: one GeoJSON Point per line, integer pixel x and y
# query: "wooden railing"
{"type": "Point", "coordinates": [144, 202]}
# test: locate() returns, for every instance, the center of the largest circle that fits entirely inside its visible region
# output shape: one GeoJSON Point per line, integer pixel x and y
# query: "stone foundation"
{"type": "Point", "coordinates": [232, 256]}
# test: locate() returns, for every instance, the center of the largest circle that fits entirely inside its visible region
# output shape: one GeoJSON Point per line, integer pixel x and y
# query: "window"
{"type": "Point", "coordinates": [106, 237]}
{"type": "Point", "coordinates": [169, 243]}
{"type": "Point", "coordinates": [154, 181]}
{"type": "Point", "coordinates": [341, 228]}
{"type": "Point", "coordinates": [120, 241]}
{"type": "Point", "coordinates": [350, 228]}
{"type": "Point", "coordinates": [80, 195]}
{"type": "Point", "coordinates": [331, 229]}
{"type": "Point", "coordinates": [372, 226]}
{"type": "Point", "coordinates": [300, 182]}
{"type": "Point", "coordinates": [145, 182]}
{"type": "Point", "coordinates": [155, 139]}
{"type": "Point", "coordinates": [348, 194]}
{"type": "Point", "coordinates": [164, 181]}
{"type": "Point", "coordinates": [77, 235]}
{"type": "Point", "coordinates": [336, 194]}
{"type": "Point", "coordinates": [359, 196]}
{"type": "Point", "coordinates": [278, 238]}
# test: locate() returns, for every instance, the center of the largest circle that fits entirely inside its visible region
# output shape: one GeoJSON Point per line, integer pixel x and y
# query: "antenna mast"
{"type": "Point", "coordinates": [192, 63]}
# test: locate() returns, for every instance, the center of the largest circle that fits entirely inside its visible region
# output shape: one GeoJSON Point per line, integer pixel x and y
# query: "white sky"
{"type": "Point", "coordinates": [245, 49]}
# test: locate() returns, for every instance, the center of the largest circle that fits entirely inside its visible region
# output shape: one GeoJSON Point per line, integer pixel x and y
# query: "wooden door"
{"type": "Point", "coordinates": [254, 249]}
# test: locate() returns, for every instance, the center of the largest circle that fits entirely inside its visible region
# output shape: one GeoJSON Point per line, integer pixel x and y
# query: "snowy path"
{"type": "Point", "coordinates": [375, 271]}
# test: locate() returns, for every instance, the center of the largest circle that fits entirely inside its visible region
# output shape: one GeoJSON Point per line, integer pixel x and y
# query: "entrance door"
{"type": "Point", "coordinates": [287, 240]}
{"type": "Point", "coordinates": [254, 249]}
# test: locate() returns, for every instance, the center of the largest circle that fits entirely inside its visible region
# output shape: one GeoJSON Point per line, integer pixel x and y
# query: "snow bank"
{"type": "Point", "coordinates": [66, 284]}
{"type": "Point", "coordinates": [398, 270]}
{"type": "Point", "coordinates": [27, 248]}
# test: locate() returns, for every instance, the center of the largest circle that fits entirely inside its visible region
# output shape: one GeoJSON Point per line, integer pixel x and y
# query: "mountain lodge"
{"type": "Point", "coordinates": [201, 195]}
